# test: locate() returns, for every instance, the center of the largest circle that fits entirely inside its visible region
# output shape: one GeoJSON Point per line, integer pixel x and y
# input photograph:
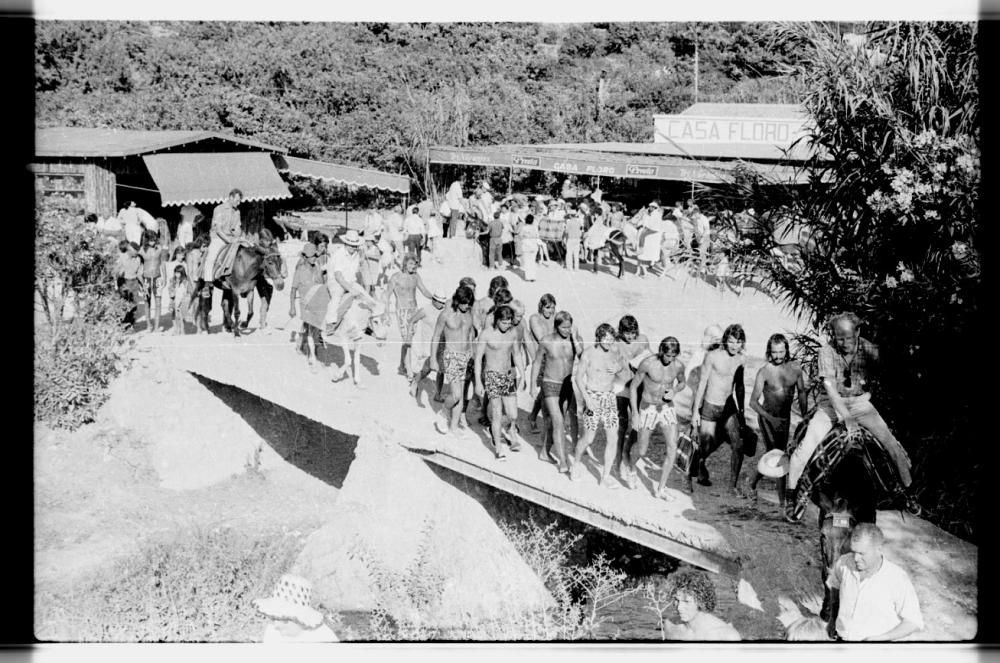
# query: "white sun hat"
{"type": "Point", "coordinates": [773, 464]}
{"type": "Point", "coordinates": [291, 599]}
{"type": "Point", "coordinates": [351, 238]}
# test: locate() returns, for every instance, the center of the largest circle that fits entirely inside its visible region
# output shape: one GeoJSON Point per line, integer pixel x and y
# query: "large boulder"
{"type": "Point", "coordinates": [396, 519]}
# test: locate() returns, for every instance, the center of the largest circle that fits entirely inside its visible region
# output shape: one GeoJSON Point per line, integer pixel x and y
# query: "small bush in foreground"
{"type": "Point", "coordinates": [198, 586]}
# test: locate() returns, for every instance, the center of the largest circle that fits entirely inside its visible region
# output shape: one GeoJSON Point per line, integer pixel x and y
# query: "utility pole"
{"type": "Point", "coordinates": [696, 65]}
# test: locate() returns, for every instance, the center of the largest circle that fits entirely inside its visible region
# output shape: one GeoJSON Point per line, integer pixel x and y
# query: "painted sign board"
{"type": "Point", "coordinates": [707, 130]}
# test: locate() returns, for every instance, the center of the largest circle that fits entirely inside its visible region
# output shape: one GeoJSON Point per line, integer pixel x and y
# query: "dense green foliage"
{"type": "Point", "coordinates": [79, 339]}
{"type": "Point", "coordinates": [378, 94]}
{"type": "Point", "coordinates": [895, 223]}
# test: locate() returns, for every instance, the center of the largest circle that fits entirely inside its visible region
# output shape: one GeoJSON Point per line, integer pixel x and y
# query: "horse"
{"type": "Point", "coordinates": [614, 243]}
{"type": "Point", "coordinates": [262, 287]}
{"type": "Point", "coordinates": [365, 317]}
{"type": "Point", "coordinates": [848, 477]}
{"type": "Point", "coordinates": [251, 264]}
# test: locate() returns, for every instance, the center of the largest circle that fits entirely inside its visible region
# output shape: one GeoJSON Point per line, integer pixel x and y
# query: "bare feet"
{"type": "Point", "coordinates": [664, 495]}
{"type": "Point", "coordinates": [441, 427]}
{"type": "Point", "coordinates": [413, 388]}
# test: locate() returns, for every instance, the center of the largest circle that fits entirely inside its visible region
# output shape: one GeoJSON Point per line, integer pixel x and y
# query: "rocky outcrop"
{"type": "Point", "coordinates": [396, 520]}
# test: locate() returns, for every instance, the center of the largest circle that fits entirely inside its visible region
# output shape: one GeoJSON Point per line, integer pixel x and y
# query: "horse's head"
{"type": "Point", "coordinates": [378, 322]}
{"type": "Point", "coordinates": [274, 267]}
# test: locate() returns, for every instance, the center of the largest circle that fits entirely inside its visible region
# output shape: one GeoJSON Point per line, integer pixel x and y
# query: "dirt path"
{"type": "Point", "coordinates": [194, 439]}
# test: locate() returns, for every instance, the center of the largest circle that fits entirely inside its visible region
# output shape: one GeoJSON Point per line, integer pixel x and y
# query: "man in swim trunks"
{"type": "Point", "coordinates": [454, 330]}
{"type": "Point", "coordinates": [778, 382]}
{"type": "Point", "coordinates": [540, 325]}
{"type": "Point", "coordinates": [634, 346]}
{"type": "Point", "coordinates": [661, 377]}
{"type": "Point", "coordinates": [499, 367]}
{"type": "Point", "coordinates": [554, 362]}
{"type": "Point", "coordinates": [594, 378]}
{"type": "Point", "coordinates": [404, 285]}
{"type": "Point", "coordinates": [721, 375]}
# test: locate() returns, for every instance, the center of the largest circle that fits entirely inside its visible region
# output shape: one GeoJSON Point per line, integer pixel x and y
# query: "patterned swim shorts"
{"type": "Point", "coordinates": [606, 412]}
{"type": "Point", "coordinates": [498, 383]}
{"type": "Point", "coordinates": [406, 327]}
{"type": "Point", "coordinates": [655, 414]}
{"type": "Point", "coordinates": [456, 365]}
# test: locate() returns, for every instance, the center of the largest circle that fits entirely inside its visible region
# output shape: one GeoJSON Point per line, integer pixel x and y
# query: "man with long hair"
{"type": "Point", "coordinates": [719, 401]}
{"type": "Point", "coordinates": [454, 329]}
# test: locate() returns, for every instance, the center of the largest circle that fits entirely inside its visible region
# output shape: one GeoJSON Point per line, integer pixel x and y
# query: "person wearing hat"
{"type": "Point", "coordinates": [778, 381]}
{"type": "Point", "coordinates": [306, 275]}
{"type": "Point", "coordinates": [371, 259]}
{"type": "Point", "coordinates": [341, 276]}
{"type": "Point", "coordinates": [292, 617]}
{"type": "Point", "coordinates": [423, 322]}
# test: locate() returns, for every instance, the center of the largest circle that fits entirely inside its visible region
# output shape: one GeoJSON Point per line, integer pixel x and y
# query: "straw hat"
{"type": "Point", "coordinates": [351, 238]}
{"type": "Point", "coordinates": [309, 250]}
{"type": "Point", "coordinates": [292, 599]}
{"type": "Point", "coordinates": [773, 464]}
{"type": "Point", "coordinates": [441, 297]}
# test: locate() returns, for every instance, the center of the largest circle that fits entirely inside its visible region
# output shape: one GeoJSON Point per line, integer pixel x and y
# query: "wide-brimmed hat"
{"type": "Point", "coordinates": [773, 464]}
{"type": "Point", "coordinates": [309, 250]}
{"type": "Point", "coordinates": [653, 204]}
{"type": "Point", "coordinates": [291, 599]}
{"type": "Point", "coordinates": [441, 297]}
{"type": "Point", "coordinates": [351, 238]}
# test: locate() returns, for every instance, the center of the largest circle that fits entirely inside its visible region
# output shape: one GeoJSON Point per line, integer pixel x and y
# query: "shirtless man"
{"type": "Point", "coordinates": [454, 330]}
{"type": "Point", "coordinates": [594, 378]}
{"type": "Point", "coordinates": [720, 374]}
{"type": "Point", "coordinates": [501, 297]}
{"type": "Point", "coordinates": [634, 346]}
{"type": "Point", "coordinates": [554, 362]}
{"type": "Point", "coordinates": [154, 276]}
{"type": "Point", "coordinates": [540, 325]}
{"type": "Point", "coordinates": [499, 367]}
{"type": "Point", "coordinates": [778, 381]}
{"type": "Point", "coordinates": [404, 285]}
{"type": "Point", "coordinates": [661, 377]}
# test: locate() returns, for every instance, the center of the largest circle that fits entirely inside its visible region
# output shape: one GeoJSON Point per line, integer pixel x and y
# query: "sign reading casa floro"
{"type": "Point", "coordinates": [699, 129]}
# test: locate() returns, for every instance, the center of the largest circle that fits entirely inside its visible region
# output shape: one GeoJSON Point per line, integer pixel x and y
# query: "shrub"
{"type": "Point", "coordinates": [197, 586]}
{"type": "Point", "coordinates": [80, 343]}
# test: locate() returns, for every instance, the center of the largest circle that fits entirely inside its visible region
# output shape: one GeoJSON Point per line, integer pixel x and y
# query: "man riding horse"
{"type": "Point", "coordinates": [846, 369]}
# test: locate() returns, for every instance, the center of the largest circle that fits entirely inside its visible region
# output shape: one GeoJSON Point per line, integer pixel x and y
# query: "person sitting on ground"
{"type": "Point", "coordinates": [848, 370]}
{"type": "Point", "coordinates": [593, 378]}
{"type": "Point", "coordinates": [293, 619]}
{"type": "Point", "coordinates": [778, 381]}
{"type": "Point", "coordinates": [714, 405]}
{"type": "Point", "coordinates": [499, 371]}
{"type": "Point", "coordinates": [661, 378]}
{"type": "Point", "coordinates": [873, 598]}
{"type": "Point", "coordinates": [454, 330]}
{"type": "Point", "coordinates": [154, 277]}
{"type": "Point", "coordinates": [694, 595]}
{"type": "Point", "coordinates": [403, 286]}
{"type": "Point", "coordinates": [554, 361]}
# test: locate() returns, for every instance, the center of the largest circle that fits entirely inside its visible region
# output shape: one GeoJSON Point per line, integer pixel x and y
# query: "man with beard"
{"type": "Point", "coordinates": [594, 378]}
{"type": "Point", "coordinates": [554, 361]}
{"type": "Point", "coordinates": [499, 370]}
{"type": "Point", "coordinates": [660, 377]}
{"type": "Point", "coordinates": [778, 382]}
{"type": "Point", "coordinates": [454, 329]}
{"type": "Point", "coordinates": [721, 375]}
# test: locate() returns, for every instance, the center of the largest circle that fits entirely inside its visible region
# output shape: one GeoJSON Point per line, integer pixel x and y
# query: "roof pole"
{"type": "Point", "coordinates": [510, 179]}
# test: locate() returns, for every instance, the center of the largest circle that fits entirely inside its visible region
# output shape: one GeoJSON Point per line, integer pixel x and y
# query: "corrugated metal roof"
{"type": "Point", "coordinates": [94, 142]}
{"type": "Point", "coordinates": [190, 178]}
{"type": "Point", "coordinates": [374, 179]}
{"type": "Point", "coordinates": [705, 109]}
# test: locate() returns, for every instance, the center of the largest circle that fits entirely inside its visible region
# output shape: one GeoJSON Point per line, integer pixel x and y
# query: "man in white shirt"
{"type": "Point", "coordinates": [185, 229]}
{"type": "Point", "coordinates": [872, 598]}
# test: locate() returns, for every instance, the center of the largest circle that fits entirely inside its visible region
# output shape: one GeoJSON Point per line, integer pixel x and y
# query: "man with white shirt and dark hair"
{"type": "Point", "coordinates": [873, 599]}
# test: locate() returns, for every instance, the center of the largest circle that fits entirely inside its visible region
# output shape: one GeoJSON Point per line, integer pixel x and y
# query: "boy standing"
{"type": "Point", "coordinates": [500, 375]}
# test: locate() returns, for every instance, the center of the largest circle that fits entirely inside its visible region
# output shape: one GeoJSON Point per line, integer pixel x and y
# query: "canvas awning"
{"type": "Point", "coordinates": [208, 177]}
{"type": "Point", "coordinates": [611, 160]}
{"type": "Point", "coordinates": [331, 172]}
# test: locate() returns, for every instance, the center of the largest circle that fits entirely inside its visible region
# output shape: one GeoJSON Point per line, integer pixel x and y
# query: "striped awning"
{"type": "Point", "coordinates": [331, 172]}
{"type": "Point", "coordinates": [208, 177]}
